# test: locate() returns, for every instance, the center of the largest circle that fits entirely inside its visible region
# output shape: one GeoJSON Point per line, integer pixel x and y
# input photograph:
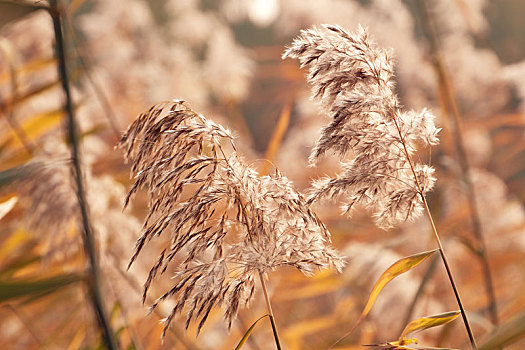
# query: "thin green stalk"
{"type": "Point", "coordinates": [270, 312]}
{"type": "Point", "coordinates": [93, 280]}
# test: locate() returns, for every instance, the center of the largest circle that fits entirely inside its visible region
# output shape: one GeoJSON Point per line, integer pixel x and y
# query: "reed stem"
{"type": "Point", "coordinates": [449, 273]}
{"type": "Point", "coordinates": [92, 280]}
{"type": "Point", "coordinates": [436, 236]}
{"type": "Point", "coordinates": [270, 312]}
{"type": "Point", "coordinates": [451, 108]}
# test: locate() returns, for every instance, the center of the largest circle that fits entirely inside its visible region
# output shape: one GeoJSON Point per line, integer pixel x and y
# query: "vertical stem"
{"type": "Point", "coordinates": [93, 281]}
{"type": "Point", "coordinates": [270, 312]}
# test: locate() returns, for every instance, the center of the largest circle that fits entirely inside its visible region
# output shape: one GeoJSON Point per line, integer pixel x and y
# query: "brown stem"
{"type": "Point", "coordinates": [449, 273]}
{"type": "Point", "coordinates": [270, 312]}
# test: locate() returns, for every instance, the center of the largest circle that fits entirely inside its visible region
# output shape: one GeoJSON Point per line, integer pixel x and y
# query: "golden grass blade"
{"type": "Point", "coordinates": [9, 269]}
{"type": "Point", "coordinates": [429, 322]}
{"type": "Point", "coordinates": [399, 267]}
{"type": "Point", "coordinates": [9, 52]}
{"type": "Point", "coordinates": [278, 133]}
{"type": "Point", "coordinates": [9, 104]}
{"type": "Point", "coordinates": [35, 126]}
{"type": "Point", "coordinates": [248, 332]}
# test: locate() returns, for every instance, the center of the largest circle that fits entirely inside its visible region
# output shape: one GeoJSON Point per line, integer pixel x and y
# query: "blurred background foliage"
{"type": "Point", "coordinates": [223, 57]}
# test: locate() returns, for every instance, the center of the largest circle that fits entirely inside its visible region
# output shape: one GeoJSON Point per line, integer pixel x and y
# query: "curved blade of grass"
{"type": "Point", "coordinates": [404, 344]}
{"type": "Point", "coordinates": [399, 267]}
{"type": "Point", "coordinates": [429, 322]}
{"type": "Point", "coordinates": [248, 332]}
{"type": "Point", "coordinates": [507, 333]}
{"type": "Point", "coordinates": [34, 127]}
{"type": "Point", "coordinates": [12, 289]}
{"type": "Point", "coordinates": [392, 346]}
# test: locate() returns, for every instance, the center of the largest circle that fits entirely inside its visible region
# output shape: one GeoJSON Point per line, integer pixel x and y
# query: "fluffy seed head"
{"type": "Point", "coordinates": [352, 79]}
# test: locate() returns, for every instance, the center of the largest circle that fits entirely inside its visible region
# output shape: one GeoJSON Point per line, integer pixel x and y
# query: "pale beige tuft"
{"type": "Point", "coordinates": [353, 81]}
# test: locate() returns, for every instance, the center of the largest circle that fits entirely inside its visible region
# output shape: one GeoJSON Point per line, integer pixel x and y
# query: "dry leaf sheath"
{"type": "Point", "coordinates": [226, 223]}
{"type": "Point", "coordinates": [352, 80]}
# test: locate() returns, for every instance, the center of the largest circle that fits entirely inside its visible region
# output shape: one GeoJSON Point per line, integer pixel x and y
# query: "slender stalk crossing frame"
{"type": "Point", "coordinates": [436, 236]}
{"type": "Point", "coordinates": [451, 108]}
{"type": "Point", "coordinates": [270, 312]}
{"type": "Point", "coordinates": [92, 279]}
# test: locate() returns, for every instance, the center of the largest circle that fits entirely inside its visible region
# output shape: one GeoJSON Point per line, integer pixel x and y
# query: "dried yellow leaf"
{"type": "Point", "coordinates": [428, 322]}
{"type": "Point", "coordinates": [399, 267]}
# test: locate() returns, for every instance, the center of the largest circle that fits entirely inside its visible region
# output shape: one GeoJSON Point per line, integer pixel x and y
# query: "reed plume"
{"type": "Point", "coordinates": [353, 81]}
{"type": "Point", "coordinates": [226, 224]}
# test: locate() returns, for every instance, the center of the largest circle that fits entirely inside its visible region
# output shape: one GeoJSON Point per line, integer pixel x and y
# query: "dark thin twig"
{"type": "Point", "coordinates": [452, 108]}
{"type": "Point", "coordinates": [93, 280]}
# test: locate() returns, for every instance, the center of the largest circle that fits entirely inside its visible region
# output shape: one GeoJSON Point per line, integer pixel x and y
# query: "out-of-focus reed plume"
{"type": "Point", "coordinates": [52, 212]}
{"type": "Point", "coordinates": [228, 223]}
{"type": "Point", "coordinates": [352, 80]}
{"type": "Point", "coordinates": [47, 192]}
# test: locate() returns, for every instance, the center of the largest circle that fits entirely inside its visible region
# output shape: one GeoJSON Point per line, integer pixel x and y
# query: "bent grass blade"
{"type": "Point", "coordinates": [399, 267]}
{"type": "Point", "coordinates": [248, 332]}
{"type": "Point", "coordinates": [429, 322]}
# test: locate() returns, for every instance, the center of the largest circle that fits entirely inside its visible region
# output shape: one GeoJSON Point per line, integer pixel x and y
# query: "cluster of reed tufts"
{"type": "Point", "coordinates": [227, 224]}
